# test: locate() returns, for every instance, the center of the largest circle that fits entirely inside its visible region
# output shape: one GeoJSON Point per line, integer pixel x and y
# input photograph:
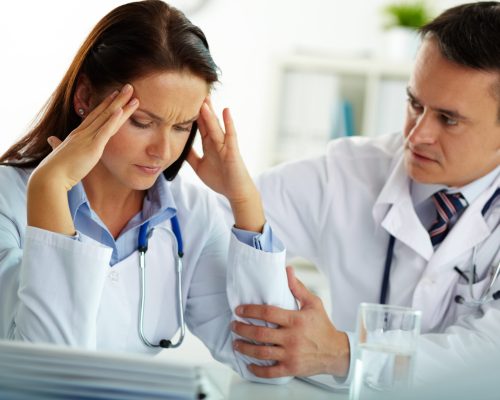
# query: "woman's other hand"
{"type": "Point", "coordinates": [222, 168]}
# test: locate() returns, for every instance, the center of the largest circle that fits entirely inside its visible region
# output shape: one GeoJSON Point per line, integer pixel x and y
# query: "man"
{"type": "Point", "coordinates": [342, 210]}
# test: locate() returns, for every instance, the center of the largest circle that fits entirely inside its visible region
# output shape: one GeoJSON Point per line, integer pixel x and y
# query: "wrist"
{"type": "Point", "coordinates": [248, 213]}
{"type": "Point", "coordinates": [340, 355]}
{"type": "Point", "coordinates": [47, 205]}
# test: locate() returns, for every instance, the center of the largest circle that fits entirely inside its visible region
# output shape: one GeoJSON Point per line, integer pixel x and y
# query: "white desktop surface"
{"type": "Point", "coordinates": [228, 385]}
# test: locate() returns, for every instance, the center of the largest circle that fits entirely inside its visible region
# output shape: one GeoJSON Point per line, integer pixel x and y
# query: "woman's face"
{"type": "Point", "coordinates": [154, 136]}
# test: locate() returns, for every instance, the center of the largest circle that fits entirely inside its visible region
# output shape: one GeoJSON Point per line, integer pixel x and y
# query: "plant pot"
{"type": "Point", "coordinates": [400, 44]}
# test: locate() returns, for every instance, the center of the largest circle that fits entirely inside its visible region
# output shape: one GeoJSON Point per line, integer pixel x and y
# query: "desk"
{"type": "Point", "coordinates": [231, 386]}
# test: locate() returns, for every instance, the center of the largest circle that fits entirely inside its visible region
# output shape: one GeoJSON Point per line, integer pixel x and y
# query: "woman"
{"type": "Point", "coordinates": [94, 180]}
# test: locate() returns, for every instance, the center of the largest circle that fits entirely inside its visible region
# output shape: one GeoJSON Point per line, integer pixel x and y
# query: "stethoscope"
{"type": "Point", "coordinates": [143, 248]}
{"type": "Point", "coordinates": [486, 297]}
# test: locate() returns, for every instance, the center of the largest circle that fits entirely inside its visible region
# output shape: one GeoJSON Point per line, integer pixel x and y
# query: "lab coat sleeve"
{"type": "Point", "coordinates": [460, 345]}
{"type": "Point", "coordinates": [60, 284]}
{"type": "Point", "coordinates": [296, 203]}
{"type": "Point", "coordinates": [221, 283]}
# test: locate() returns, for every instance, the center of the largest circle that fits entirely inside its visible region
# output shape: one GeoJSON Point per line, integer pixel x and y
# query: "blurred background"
{"type": "Point", "coordinates": [294, 73]}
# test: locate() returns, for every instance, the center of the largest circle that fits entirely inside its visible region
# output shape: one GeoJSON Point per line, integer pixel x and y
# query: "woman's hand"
{"type": "Point", "coordinates": [72, 159]}
{"type": "Point", "coordinates": [222, 169]}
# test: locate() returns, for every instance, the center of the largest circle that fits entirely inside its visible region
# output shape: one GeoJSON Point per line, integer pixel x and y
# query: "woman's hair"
{"type": "Point", "coordinates": [130, 42]}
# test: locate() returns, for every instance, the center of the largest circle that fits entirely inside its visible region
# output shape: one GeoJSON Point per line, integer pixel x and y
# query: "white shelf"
{"type": "Point", "coordinates": [374, 88]}
{"type": "Point", "coordinates": [361, 66]}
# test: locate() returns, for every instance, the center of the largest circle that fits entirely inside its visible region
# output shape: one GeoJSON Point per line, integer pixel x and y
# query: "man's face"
{"type": "Point", "coordinates": [452, 130]}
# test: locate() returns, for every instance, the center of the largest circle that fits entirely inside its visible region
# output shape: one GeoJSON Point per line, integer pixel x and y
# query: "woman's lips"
{"type": "Point", "coordinates": [149, 170]}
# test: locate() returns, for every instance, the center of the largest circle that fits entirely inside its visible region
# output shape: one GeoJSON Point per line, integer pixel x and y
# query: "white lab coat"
{"type": "Point", "coordinates": [60, 290]}
{"type": "Point", "coordinates": [338, 210]}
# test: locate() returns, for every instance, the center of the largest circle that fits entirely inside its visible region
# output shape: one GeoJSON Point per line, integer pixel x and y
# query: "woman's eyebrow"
{"type": "Point", "coordinates": [160, 119]}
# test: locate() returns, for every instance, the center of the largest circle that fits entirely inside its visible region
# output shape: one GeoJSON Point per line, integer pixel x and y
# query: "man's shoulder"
{"type": "Point", "coordinates": [368, 158]}
{"type": "Point", "coordinates": [383, 148]}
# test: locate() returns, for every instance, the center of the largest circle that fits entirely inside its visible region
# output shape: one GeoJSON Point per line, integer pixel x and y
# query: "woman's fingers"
{"type": "Point", "coordinates": [212, 127]}
{"type": "Point", "coordinates": [99, 109]}
{"type": "Point", "coordinates": [194, 159]}
{"type": "Point", "coordinates": [230, 137]}
{"type": "Point", "coordinates": [115, 120]}
{"type": "Point", "coordinates": [118, 102]}
{"type": "Point", "coordinates": [54, 142]}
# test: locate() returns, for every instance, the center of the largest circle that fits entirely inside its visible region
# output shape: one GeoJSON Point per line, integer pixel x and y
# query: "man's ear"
{"type": "Point", "coordinates": [82, 98]}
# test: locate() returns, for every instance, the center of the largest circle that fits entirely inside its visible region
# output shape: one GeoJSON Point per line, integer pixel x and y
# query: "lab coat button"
{"type": "Point", "coordinates": [114, 276]}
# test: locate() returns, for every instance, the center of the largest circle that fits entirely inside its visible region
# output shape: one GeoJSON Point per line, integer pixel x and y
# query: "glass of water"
{"type": "Point", "coordinates": [385, 353]}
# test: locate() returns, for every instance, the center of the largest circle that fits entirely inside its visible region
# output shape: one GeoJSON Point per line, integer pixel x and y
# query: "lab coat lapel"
{"type": "Point", "coordinates": [120, 298]}
{"type": "Point", "coordinates": [394, 211]}
{"type": "Point", "coordinates": [469, 231]}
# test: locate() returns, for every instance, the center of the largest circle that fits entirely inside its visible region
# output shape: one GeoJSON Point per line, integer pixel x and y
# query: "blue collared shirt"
{"type": "Point", "coordinates": [158, 206]}
{"type": "Point", "coordinates": [424, 206]}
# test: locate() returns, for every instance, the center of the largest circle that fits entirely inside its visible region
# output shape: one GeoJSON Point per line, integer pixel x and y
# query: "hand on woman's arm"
{"type": "Point", "coordinates": [305, 343]}
{"type": "Point", "coordinates": [71, 160]}
{"type": "Point", "coordinates": [223, 170]}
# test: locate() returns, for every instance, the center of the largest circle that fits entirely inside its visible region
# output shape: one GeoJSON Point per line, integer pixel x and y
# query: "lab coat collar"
{"type": "Point", "coordinates": [394, 211]}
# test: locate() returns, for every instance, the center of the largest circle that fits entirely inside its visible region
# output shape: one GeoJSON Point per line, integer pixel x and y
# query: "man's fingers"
{"type": "Point", "coordinates": [258, 333]}
{"type": "Point", "coordinates": [275, 371]}
{"type": "Point", "coordinates": [298, 289]}
{"type": "Point", "coordinates": [261, 352]}
{"type": "Point", "coordinates": [267, 313]}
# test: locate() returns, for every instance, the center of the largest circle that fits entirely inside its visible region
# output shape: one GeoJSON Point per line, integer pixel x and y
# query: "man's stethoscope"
{"type": "Point", "coordinates": [486, 296]}
{"type": "Point", "coordinates": [143, 248]}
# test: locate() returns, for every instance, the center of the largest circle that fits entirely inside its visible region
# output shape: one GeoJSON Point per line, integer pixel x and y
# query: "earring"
{"type": "Point", "coordinates": [81, 112]}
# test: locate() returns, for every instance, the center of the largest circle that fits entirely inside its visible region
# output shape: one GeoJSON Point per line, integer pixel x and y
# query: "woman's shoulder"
{"type": "Point", "coordinates": [13, 181]}
{"type": "Point", "coordinates": [9, 173]}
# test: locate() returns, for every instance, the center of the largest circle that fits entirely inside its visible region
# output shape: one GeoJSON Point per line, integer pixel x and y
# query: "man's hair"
{"type": "Point", "coordinates": [469, 35]}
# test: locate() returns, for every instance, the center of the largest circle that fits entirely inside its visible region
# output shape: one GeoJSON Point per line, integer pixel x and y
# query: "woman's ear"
{"type": "Point", "coordinates": [82, 96]}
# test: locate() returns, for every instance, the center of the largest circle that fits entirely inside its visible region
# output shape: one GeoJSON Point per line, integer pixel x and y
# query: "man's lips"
{"type": "Point", "coordinates": [421, 155]}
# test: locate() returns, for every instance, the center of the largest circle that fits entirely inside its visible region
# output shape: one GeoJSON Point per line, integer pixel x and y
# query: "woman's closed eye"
{"type": "Point", "coordinates": [141, 123]}
{"type": "Point", "coordinates": [183, 128]}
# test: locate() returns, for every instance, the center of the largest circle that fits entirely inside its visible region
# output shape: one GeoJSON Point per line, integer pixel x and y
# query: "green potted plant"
{"type": "Point", "coordinates": [407, 15]}
{"type": "Point", "coordinates": [402, 19]}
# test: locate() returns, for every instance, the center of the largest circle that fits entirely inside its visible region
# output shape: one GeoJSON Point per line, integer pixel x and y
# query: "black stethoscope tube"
{"type": "Point", "coordinates": [390, 252]}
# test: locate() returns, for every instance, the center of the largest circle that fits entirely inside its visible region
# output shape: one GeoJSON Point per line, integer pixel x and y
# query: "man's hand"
{"type": "Point", "coordinates": [304, 343]}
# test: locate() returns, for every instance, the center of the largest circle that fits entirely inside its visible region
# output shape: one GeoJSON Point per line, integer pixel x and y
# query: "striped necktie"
{"type": "Point", "coordinates": [447, 206]}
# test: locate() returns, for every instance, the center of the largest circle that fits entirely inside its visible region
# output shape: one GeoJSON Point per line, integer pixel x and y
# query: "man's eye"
{"type": "Point", "coordinates": [415, 105]}
{"type": "Point", "coordinates": [141, 125]}
{"type": "Point", "coordinates": [446, 120]}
